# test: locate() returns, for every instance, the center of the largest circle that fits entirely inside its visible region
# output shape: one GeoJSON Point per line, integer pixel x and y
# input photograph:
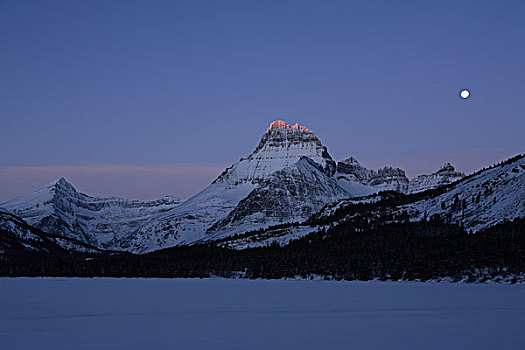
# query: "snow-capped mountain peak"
{"type": "Point", "coordinates": [37, 202]}
{"type": "Point", "coordinates": [62, 187]}
{"type": "Point", "coordinates": [281, 146]}
{"type": "Point", "coordinates": [58, 208]}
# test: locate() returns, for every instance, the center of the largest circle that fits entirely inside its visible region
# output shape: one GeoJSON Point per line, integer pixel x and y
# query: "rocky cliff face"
{"type": "Point", "coordinates": [445, 175]}
{"type": "Point", "coordinates": [390, 179]}
{"type": "Point", "coordinates": [281, 146]}
{"type": "Point", "coordinates": [291, 194]}
{"type": "Point", "coordinates": [359, 181]}
{"type": "Point", "coordinates": [351, 169]}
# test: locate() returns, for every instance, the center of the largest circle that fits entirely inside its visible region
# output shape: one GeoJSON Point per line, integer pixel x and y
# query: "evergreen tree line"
{"type": "Point", "coordinates": [401, 251]}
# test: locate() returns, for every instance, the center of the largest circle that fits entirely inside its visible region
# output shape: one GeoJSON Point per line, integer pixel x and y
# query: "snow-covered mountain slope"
{"type": "Point", "coordinates": [444, 176]}
{"type": "Point", "coordinates": [285, 233]}
{"type": "Point", "coordinates": [59, 209]}
{"type": "Point", "coordinates": [282, 146]}
{"type": "Point", "coordinates": [291, 194]}
{"type": "Point", "coordinates": [188, 222]}
{"type": "Point", "coordinates": [477, 201]}
{"type": "Point", "coordinates": [17, 237]}
{"type": "Point", "coordinates": [480, 200]}
{"type": "Point", "coordinates": [360, 181]}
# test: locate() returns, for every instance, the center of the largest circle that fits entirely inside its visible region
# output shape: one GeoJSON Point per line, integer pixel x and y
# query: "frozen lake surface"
{"type": "Point", "coordinates": [58, 313]}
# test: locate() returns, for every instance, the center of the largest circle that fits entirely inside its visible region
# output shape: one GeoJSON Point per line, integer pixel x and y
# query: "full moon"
{"type": "Point", "coordinates": [464, 94]}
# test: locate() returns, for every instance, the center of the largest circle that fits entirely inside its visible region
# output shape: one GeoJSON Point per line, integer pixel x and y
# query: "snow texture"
{"type": "Point", "coordinates": [289, 195]}
{"type": "Point", "coordinates": [242, 314]}
{"type": "Point", "coordinates": [16, 233]}
{"type": "Point", "coordinates": [188, 222]}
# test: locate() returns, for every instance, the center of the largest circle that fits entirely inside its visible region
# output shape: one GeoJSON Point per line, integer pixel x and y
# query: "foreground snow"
{"type": "Point", "coordinates": [241, 314]}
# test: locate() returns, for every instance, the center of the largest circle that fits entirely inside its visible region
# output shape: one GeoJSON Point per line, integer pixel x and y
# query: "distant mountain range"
{"type": "Point", "coordinates": [288, 187]}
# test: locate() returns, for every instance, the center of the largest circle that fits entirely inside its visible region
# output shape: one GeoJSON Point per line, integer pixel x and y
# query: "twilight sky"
{"type": "Point", "coordinates": [145, 98]}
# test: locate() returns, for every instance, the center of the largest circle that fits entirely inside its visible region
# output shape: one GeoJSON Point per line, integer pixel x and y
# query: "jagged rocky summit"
{"type": "Point", "coordinates": [281, 146]}
{"type": "Point", "coordinates": [357, 179]}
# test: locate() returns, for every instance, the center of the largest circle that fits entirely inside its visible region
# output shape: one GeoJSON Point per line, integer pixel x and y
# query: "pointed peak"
{"type": "Point", "coordinates": [61, 183]}
{"type": "Point", "coordinates": [350, 161]}
{"type": "Point", "coordinates": [282, 125]}
{"type": "Point", "coordinates": [446, 167]}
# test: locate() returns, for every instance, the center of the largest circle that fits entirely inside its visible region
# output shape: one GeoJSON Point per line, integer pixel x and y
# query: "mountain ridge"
{"type": "Point", "coordinates": [59, 209]}
{"type": "Point", "coordinates": [287, 178]}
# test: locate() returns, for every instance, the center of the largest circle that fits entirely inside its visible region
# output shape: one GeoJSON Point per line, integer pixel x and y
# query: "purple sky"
{"type": "Point", "coordinates": [141, 99]}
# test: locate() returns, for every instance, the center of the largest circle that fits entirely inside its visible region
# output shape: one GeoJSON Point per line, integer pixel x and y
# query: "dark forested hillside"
{"type": "Point", "coordinates": [409, 251]}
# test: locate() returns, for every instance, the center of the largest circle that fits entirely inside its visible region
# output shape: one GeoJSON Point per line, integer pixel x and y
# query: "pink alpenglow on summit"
{"type": "Point", "coordinates": [279, 124]}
